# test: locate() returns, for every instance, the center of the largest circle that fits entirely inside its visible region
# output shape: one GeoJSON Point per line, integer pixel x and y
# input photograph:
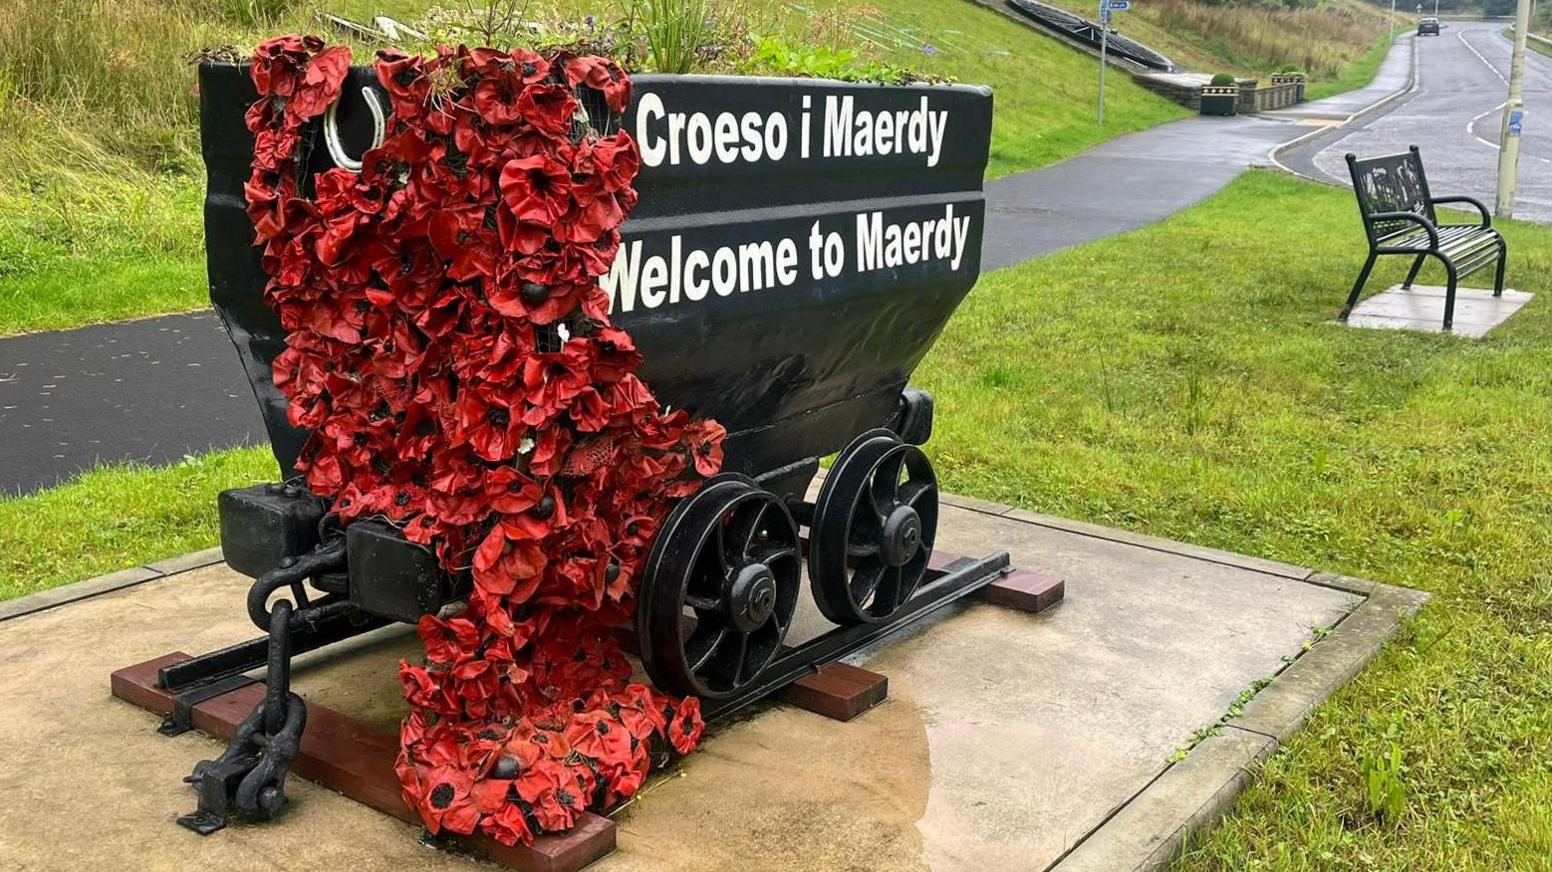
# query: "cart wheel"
{"type": "Point", "coordinates": [873, 528]}
{"type": "Point", "coordinates": [719, 589]}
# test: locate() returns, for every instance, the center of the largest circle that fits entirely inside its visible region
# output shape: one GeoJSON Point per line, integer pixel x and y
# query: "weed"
{"type": "Point", "coordinates": [675, 30]}
{"type": "Point", "coordinates": [1384, 790]}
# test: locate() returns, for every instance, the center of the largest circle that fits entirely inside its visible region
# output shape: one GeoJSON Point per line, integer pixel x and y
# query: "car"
{"type": "Point", "coordinates": [1428, 26]}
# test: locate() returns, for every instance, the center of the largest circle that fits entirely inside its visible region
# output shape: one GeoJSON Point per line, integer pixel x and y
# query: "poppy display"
{"type": "Point", "coordinates": [450, 352]}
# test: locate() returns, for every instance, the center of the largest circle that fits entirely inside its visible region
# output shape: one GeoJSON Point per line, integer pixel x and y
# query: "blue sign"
{"type": "Point", "coordinates": [1516, 122]}
{"type": "Point", "coordinates": [1120, 5]}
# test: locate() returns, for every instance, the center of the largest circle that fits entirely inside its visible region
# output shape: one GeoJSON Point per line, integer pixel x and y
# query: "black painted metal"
{"type": "Point", "coordinates": [719, 589]}
{"type": "Point", "coordinates": [181, 719]}
{"type": "Point", "coordinates": [792, 372]}
{"type": "Point", "coordinates": [309, 635]}
{"type": "Point", "coordinates": [1399, 217]}
{"type": "Point", "coordinates": [393, 577]}
{"type": "Point", "coordinates": [1090, 33]}
{"type": "Point", "coordinates": [262, 524]}
{"type": "Point", "coordinates": [249, 778]}
{"type": "Point", "coordinates": [794, 367]}
{"type": "Point", "coordinates": [955, 582]}
{"type": "Point", "coordinates": [872, 533]}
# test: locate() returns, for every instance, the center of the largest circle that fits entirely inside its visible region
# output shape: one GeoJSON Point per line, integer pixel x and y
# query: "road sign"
{"type": "Point", "coordinates": [1516, 122]}
{"type": "Point", "coordinates": [1120, 5]}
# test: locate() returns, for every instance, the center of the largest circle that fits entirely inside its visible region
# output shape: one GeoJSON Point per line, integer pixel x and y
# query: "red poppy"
{"type": "Point", "coordinates": [685, 727]}
{"type": "Point", "coordinates": [449, 641]}
{"type": "Point", "coordinates": [537, 189]}
{"type": "Point", "coordinates": [446, 803]}
{"type": "Point", "coordinates": [488, 423]}
{"type": "Point", "coordinates": [550, 108]}
{"type": "Point", "coordinates": [601, 74]}
{"type": "Point", "coordinates": [410, 294]}
{"type": "Point", "coordinates": [507, 567]}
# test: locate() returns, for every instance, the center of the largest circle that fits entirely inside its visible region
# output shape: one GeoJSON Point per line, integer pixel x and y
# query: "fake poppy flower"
{"type": "Point", "coordinates": [508, 567]}
{"type": "Point", "coordinates": [601, 74]}
{"type": "Point", "coordinates": [550, 108]}
{"type": "Point", "coordinates": [449, 641]}
{"type": "Point", "coordinates": [422, 299]}
{"type": "Point", "coordinates": [537, 189]}
{"type": "Point", "coordinates": [488, 423]}
{"type": "Point", "coordinates": [446, 803]}
{"type": "Point", "coordinates": [686, 727]}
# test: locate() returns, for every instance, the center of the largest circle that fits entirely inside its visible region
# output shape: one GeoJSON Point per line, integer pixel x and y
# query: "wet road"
{"type": "Point", "coordinates": [1455, 116]}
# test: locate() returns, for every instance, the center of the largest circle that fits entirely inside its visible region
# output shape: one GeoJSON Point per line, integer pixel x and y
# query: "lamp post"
{"type": "Point", "coordinates": [1514, 115]}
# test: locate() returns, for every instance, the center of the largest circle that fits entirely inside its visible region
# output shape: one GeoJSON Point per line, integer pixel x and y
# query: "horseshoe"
{"type": "Point", "coordinates": [331, 134]}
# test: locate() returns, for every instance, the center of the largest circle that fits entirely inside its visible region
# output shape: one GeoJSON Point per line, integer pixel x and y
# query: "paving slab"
{"type": "Point", "coordinates": [1009, 740]}
{"type": "Point", "coordinates": [1421, 308]}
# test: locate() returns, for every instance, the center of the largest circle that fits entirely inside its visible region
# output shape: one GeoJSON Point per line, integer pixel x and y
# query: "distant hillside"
{"type": "Point", "coordinates": [1338, 41]}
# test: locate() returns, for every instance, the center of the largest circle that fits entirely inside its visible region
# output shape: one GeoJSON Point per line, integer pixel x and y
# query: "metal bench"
{"type": "Point", "coordinates": [1398, 215]}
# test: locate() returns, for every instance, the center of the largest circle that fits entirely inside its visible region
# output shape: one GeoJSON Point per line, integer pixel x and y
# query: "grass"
{"type": "Point", "coordinates": [1185, 381]}
{"type": "Point", "coordinates": [79, 291]}
{"type": "Point", "coordinates": [1045, 91]}
{"type": "Point", "coordinates": [1358, 72]}
{"type": "Point", "coordinates": [119, 516]}
{"type": "Point", "coordinates": [1253, 39]}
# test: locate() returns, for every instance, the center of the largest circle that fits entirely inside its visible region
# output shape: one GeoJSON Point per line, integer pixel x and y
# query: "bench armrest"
{"type": "Point", "coordinates": [1487, 219]}
{"type": "Point", "coordinates": [1419, 220]}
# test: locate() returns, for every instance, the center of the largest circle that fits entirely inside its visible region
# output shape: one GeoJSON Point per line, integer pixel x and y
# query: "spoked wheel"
{"type": "Point", "coordinates": [873, 528]}
{"type": "Point", "coordinates": [719, 589]}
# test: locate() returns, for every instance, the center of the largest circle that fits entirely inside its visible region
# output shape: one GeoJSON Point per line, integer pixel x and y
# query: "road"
{"type": "Point", "coordinates": [1455, 116]}
{"type": "Point", "coordinates": [154, 390]}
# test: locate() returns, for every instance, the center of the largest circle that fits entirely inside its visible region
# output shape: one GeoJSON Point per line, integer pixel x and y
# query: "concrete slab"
{"type": "Point", "coordinates": [1421, 308]}
{"type": "Point", "coordinates": [1008, 739]}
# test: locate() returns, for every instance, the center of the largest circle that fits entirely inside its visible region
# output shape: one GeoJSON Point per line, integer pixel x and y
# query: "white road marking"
{"type": "Point", "coordinates": [1461, 35]}
{"type": "Point", "coordinates": [1471, 126]}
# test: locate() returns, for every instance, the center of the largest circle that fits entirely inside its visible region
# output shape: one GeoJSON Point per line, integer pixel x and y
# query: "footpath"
{"type": "Point", "coordinates": [157, 389]}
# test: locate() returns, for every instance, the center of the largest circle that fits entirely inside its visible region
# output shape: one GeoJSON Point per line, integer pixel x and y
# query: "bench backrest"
{"type": "Point", "coordinates": [1390, 183]}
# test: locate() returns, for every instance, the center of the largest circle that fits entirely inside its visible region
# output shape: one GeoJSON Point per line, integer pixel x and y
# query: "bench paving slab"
{"type": "Point", "coordinates": [1477, 311]}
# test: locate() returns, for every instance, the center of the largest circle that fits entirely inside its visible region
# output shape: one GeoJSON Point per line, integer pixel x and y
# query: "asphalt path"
{"type": "Point", "coordinates": [158, 389]}
{"type": "Point", "coordinates": [1455, 117]}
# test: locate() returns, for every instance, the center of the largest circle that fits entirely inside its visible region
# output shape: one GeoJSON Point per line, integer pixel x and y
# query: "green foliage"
{"type": "Point", "coordinates": [119, 516]}
{"type": "Point", "coordinates": [779, 56]}
{"type": "Point", "coordinates": [1223, 79]}
{"type": "Point", "coordinates": [1384, 788]}
{"type": "Point", "coordinates": [1250, 38]}
{"type": "Point", "coordinates": [675, 31]}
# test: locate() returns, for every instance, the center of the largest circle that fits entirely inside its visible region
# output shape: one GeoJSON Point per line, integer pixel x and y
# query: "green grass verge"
{"type": "Point", "coordinates": [1045, 92]}
{"type": "Point", "coordinates": [1185, 381]}
{"type": "Point", "coordinates": [1356, 75]}
{"type": "Point", "coordinates": [77, 291]}
{"type": "Point", "coordinates": [119, 516]}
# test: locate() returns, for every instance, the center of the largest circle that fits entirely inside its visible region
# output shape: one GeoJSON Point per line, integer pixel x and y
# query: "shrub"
{"type": "Point", "coordinates": [1223, 79]}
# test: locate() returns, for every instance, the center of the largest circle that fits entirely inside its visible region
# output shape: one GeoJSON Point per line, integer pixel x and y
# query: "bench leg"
{"type": "Point", "coordinates": [1503, 263]}
{"type": "Point", "coordinates": [1417, 267]}
{"type": "Point", "coordinates": [1449, 295]}
{"type": "Point", "coordinates": [1363, 276]}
